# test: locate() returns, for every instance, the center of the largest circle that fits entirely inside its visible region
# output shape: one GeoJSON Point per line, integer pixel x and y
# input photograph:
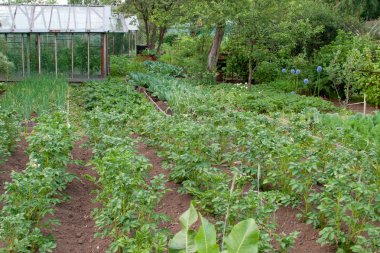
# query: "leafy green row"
{"type": "Point", "coordinates": [295, 154]}
{"type": "Point", "coordinates": [164, 68]}
{"type": "Point", "coordinates": [33, 193]}
{"type": "Point", "coordinates": [35, 95]}
{"type": "Point", "coordinates": [126, 192]}
{"type": "Point", "coordinates": [268, 98]}
{"type": "Point", "coordinates": [128, 199]}
{"type": "Point", "coordinates": [9, 131]}
{"type": "Point", "coordinates": [263, 99]}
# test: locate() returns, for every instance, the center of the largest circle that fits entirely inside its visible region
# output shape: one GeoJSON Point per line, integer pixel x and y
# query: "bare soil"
{"type": "Point", "coordinates": [356, 107]}
{"type": "Point", "coordinates": [16, 162]}
{"type": "Point", "coordinates": [306, 241]}
{"type": "Point", "coordinates": [160, 105]}
{"type": "Point", "coordinates": [77, 229]}
{"type": "Point", "coordinates": [173, 204]}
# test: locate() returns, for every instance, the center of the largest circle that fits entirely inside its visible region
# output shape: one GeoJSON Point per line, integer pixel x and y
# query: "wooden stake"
{"type": "Point", "coordinates": [88, 55]}
{"type": "Point", "coordinates": [72, 55]}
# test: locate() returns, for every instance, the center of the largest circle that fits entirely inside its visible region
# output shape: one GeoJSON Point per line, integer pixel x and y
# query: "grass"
{"type": "Point", "coordinates": [35, 95]}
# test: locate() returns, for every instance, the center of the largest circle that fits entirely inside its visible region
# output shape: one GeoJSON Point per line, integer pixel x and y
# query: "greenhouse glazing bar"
{"type": "Point", "coordinates": [22, 56]}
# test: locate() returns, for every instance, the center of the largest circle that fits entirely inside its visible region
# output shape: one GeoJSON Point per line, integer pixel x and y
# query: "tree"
{"type": "Point", "coordinates": [164, 15]}
{"type": "Point", "coordinates": [270, 30]}
{"type": "Point", "coordinates": [156, 15]}
{"type": "Point", "coordinates": [215, 13]}
{"type": "Point", "coordinates": [367, 9]}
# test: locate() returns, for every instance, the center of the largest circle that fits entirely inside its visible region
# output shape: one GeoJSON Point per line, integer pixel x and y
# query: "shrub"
{"type": "Point", "coordinates": [123, 65]}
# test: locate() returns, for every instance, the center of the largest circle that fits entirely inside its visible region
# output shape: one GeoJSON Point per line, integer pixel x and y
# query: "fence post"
{"type": "Point", "coordinates": [365, 104]}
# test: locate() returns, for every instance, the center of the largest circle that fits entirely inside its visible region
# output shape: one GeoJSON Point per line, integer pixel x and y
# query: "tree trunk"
{"type": "Point", "coordinates": [214, 51]}
{"type": "Point", "coordinates": [161, 38]}
{"type": "Point", "coordinates": [250, 74]}
{"type": "Point", "coordinates": [146, 31]}
{"type": "Point", "coordinates": [153, 37]}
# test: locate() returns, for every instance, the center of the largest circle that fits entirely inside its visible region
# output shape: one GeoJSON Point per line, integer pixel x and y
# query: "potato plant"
{"type": "Point", "coordinates": [33, 193]}
{"type": "Point", "coordinates": [9, 133]}
{"type": "Point", "coordinates": [127, 193]}
{"type": "Point", "coordinates": [303, 155]}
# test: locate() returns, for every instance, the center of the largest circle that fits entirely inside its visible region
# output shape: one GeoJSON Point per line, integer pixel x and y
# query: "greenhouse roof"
{"type": "Point", "coordinates": [61, 18]}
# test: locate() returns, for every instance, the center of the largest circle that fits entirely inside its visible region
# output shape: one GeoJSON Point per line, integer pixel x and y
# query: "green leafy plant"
{"type": "Point", "coordinates": [9, 132]}
{"type": "Point", "coordinates": [243, 238]}
{"type": "Point", "coordinates": [36, 95]}
{"type": "Point", "coordinates": [33, 193]}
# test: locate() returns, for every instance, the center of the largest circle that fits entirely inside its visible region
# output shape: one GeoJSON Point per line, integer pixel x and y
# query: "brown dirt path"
{"type": "Point", "coordinates": [173, 204]}
{"type": "Point", "coordinates": [307, 239]}
{"type": "Point", "coordinates": [16, 162]}
{"type": "Point", "coordinates": [77, 229]}
{"type": "Point", "coordinates": [370, 109]}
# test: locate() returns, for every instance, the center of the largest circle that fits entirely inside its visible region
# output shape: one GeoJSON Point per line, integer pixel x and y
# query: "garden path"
{"type": "Point", "coordinates": [77, 229]}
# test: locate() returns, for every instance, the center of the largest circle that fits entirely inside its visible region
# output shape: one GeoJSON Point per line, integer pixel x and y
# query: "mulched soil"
{"type": "Point", "coordinates": [173, 204]}
{"type": "Point", "coordinates": [77, 229]}
{"type": "Point", "coordinates": [306, 241]}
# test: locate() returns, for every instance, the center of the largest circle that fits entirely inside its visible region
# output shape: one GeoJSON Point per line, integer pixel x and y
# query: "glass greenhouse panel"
{"type": "Point", "coordinates": [69, 41]}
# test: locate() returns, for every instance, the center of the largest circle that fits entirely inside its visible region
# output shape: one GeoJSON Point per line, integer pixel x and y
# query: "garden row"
{"type": "Point", "coordinates": [31, 196]}
{"type": "Point", "coordinates": [128, 194]}
{"type": "Point", "coordinates": [321, 163]}
{"type": "Point", "coordinates": [9, 131]}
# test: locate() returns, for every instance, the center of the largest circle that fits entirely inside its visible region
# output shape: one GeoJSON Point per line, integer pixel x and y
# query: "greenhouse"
{"type": "Point", "coordinates": [74, 42]}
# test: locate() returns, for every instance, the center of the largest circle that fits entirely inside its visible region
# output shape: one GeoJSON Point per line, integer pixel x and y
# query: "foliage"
{"type": "Point", "coordinates": [123, 65]}
{"type": "Point", "coordinates": [271, 33]}
{"type": "Point", "coordinates": [32, 194]}
{"type": "Point", "coordinates": [163, 68]}
{"type": "Point", "coordinates": [263, 99]}
{"type": "Point", "coordinates": [368, 9]}
{"type": "Point", "coordinates": [35, 95]}
{"type": "Point", "coordinates": [300, 154]}
{"type": "Point", "coordinates": [344, 60]}
{"type": "Point", "coordinates": [189, 52]}
{"type": "Point", "coordinates": [6, 66]}
{"type": "Point", "coordinates": [244, 236]}
{"type": "Point", "coordinates": [128, 201]}
{"type": "Point", "coordinates": [127, 194]}
{"type": "Point", "coordinates": [9, 131]}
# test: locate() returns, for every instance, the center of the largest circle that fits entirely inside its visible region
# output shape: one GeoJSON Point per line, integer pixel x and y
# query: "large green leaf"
{"type": "Point", "coordinates": [205, 240]}
{"type": "Point", "coordinates": [243, 238]}
{"type": "Point", "coordinates": [184, 239]}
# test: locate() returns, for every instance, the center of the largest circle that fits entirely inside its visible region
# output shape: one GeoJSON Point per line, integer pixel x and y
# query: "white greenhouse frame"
{"type": "Point", "coordinates": [24, 21]}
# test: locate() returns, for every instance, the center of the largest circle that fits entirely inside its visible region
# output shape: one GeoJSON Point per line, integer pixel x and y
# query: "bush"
{"type": "Point", "coordinates": [123, 65]}
{"type": "Point", "coordinates": [344, 61]}
{"type": "Point", "coordinates": [188, 52]}
{"type": "Point", "coordinates": [164, 68]}
{"type": "Point", "coordinates": [9, 130]}
{"type": "Point", "coordinates": [6, 66]}
{"type": "Point", "coordinates": [267, 71]}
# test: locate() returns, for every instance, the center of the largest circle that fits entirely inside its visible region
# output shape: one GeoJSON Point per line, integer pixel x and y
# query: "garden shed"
{"type": "Point", "coordinates": [71, 41]}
